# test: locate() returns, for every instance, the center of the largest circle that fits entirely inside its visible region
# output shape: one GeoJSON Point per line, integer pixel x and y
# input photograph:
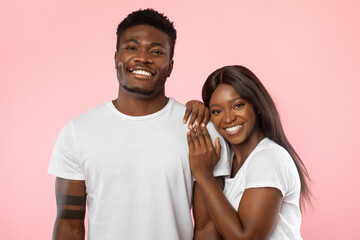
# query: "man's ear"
{"type": "Point", "coordinates": [171, 65]}
{"type": "Point", "coordinates": [115, 59]}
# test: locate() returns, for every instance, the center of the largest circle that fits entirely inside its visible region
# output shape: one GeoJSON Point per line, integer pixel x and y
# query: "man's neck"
{"type": "Point", "coordinates": [131, 105]}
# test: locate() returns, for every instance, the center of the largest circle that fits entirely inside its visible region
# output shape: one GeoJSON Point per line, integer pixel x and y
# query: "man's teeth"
{"type": "Point", "coordinates": [142, 72]}
{"type": "Point", "coordinates": [234, 128]}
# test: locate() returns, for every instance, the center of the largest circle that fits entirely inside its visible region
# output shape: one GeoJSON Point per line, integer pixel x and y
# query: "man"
{"type": "Point", "coordinates": [128, 159]}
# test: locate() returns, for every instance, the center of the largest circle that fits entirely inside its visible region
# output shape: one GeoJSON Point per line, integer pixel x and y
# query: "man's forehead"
{"type": "Point", "coordinates": [144, 33]}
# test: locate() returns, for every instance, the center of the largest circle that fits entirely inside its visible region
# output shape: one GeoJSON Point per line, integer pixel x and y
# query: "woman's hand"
{"type": "Point", "coordinates": [198, 112]}
{"type": "Point", "coordinates": [203, 156]}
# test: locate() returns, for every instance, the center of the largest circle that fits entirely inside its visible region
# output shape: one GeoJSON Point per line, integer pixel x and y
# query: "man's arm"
{"type": "Point", "coordinates": [204, 226]}
{"type": "Point", "coordinates": [71, 205]}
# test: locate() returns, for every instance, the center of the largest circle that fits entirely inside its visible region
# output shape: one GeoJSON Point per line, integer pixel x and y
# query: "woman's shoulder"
{"type": "Point", "coordinates": [272, 165]}
{"type": "Point", "coordinates": [268, 153]}
{"type": "Point", "coordinates": [268, 147]}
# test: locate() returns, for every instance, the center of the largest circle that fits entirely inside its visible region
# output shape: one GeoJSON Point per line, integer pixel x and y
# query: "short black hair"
{"type": "Point", "coordinates": [148, 17]}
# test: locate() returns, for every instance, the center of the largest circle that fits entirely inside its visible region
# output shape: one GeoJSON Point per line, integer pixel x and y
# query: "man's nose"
{"type": "Point", "coordinates": [143, 56]}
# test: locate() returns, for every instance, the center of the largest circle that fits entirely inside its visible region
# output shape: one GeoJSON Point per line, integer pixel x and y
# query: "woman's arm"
{"type": "Point", "coordinates": [204, 228]}
{"type": "Point", "coordinates": [259, 208]}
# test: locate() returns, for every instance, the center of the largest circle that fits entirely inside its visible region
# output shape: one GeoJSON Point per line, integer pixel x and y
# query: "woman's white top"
{"type": "Point", "coordinates": [270, 165]}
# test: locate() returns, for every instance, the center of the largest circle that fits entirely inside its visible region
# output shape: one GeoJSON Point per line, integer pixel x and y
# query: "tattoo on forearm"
{"type": "Point", "coordinates": [62, 199]}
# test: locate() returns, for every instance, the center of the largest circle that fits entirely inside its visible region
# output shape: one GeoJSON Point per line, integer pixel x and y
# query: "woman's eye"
{"type": "Point", "coordinates": [215, 111]}
{"type": "Point", "coordinates": [239, 105]}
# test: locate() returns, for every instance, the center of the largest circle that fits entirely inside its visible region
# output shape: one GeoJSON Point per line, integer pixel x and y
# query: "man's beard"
{"type": "Point", "coordinates": [137, 90]}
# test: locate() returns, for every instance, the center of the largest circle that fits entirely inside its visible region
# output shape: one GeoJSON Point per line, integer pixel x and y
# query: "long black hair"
{"type": "Point", "coordinates": [249, 87]}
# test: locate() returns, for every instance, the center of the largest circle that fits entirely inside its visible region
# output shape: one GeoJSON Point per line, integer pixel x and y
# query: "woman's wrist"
{"type": "Point", "coordinates": [205, 179]}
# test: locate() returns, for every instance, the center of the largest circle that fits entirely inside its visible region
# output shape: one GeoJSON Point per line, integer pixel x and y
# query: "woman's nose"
{"type": "Point", "coordinates": [229, 117]}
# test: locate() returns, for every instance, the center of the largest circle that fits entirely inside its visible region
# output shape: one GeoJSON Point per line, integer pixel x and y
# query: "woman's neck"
{"type": "Point", "coordinates": [244, 149]}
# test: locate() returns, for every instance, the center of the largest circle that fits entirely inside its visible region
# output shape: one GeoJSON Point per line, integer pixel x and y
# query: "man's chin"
{"type": "Point", "coordinates": [138, 91]}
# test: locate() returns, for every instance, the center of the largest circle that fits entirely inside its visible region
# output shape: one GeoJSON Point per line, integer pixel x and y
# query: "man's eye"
{"type": "Point", "coordinates": [158, 52]}
{"type": "Point", "coordinates": [215, 111]}
{"type": "Point", "coordinates": [132, 48]}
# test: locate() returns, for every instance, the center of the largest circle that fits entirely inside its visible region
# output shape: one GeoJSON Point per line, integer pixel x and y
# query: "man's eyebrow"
{"type": "Point", "coordinates": [155, 44]}
{"type": "Point", "coordinates": [133, 41]}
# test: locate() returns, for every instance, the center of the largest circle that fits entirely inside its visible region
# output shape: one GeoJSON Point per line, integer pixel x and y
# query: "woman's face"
{"type": "Point", "coordinates": [233, 117]}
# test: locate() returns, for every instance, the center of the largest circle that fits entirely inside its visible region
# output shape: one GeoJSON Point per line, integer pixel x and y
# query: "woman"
{"type": "Point", "coordinates": [261, 198]}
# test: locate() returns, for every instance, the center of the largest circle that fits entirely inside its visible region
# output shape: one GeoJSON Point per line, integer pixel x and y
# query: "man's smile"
{"type": "Point", "coordinates": [141, 72]}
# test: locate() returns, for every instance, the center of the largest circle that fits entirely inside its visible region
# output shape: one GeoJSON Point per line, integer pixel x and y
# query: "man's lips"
{"type": "Point", "coordinates": [142, 72]}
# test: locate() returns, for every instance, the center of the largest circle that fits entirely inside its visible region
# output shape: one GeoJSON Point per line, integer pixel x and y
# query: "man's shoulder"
{"type": "Point", "coordinates": [90, 119]}
{"type": "Point", "coordinates": [177, 106]}
{"type": "Point", "coordinates": [176, 109]}
{"type": "Point", "coordinates": [94, 113]}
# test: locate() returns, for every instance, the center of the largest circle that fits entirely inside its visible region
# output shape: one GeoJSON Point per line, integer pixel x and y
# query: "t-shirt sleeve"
{"type": "Point", "coordinates": [64, 160]}
{"type": "Point", "coordinates": [268, 168]}
{"type": "Point", "coordinates": [223, 167]}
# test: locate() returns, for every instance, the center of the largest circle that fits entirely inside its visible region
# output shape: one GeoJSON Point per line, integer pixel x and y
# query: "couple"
{"type": "Point", "coordinates": [134, 163]}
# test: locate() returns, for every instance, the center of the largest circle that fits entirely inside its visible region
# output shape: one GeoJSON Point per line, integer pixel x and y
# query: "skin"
{"type": "Point", "coordinates": [197, 112]}
{"type": "Point", "coordinates": [144, 48]}
{"type": "Point", "coordinates": [258, 210]}
{"type": "Point", "coordinates": [204, 227]}
{"type": "Point", "coordinates": [71, 204]}
{"type": "Point", "coordinates": [141, 48]}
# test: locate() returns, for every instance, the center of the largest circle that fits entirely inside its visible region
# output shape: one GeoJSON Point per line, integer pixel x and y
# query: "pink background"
{"type": "Point", "coordinates": [57, 62]}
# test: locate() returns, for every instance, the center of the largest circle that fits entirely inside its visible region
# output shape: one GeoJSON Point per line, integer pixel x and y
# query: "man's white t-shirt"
{"type": "Point", "coordinates": [136, 170]}
{"type": "Point", "coordinates": [270, 165]}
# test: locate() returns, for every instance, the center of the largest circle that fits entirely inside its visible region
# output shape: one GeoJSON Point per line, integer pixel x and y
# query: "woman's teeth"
{"type": "Point", "coordinates": [233, 129]}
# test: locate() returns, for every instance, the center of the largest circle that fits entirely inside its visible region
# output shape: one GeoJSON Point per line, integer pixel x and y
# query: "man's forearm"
{"type": "Point", "coordinates": [65, 229]}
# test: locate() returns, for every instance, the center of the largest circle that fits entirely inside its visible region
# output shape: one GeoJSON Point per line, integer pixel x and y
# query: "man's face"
{"type": "Point", "coordinates": [143, 60]}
